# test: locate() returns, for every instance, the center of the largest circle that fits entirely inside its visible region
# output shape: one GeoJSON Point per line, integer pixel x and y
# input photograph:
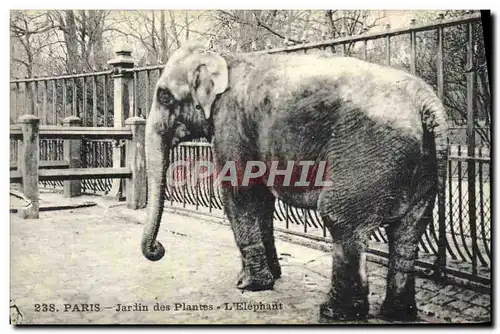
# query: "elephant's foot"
{"type": "Point", "coordinates": [246, 282]}
{"type": "Point", "coordinates": [402, 309]}
{"type": "Point", "coordinates": [356, 309]}
{"type": "Point", "coordinates": [255, 275]}
{"type": "Point", "coordinates": [264, 281]}
{"type": "Point", "coordinates": [275, 268]}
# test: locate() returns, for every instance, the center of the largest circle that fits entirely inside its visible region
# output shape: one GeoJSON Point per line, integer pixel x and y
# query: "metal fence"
{"type": "Point", "coordinates": [462, 248]}
{"type": "Point", "coordinates": [54, 98]}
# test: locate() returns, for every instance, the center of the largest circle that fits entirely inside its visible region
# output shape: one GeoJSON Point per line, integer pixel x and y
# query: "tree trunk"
{"type": "Point", "coordinates": [163, 38]}
{"type": "Point", "coordinates": [68, 25]}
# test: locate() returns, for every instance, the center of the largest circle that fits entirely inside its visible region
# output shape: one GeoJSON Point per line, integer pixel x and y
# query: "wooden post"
{"type": "Point", "coordinates": [136, 157]}
{"type": "Point", "coordinates": [28, 164]}
{"type": "Point", "coordinates": [123, 97]}
{"type": "Point", "coordinates": [72, 155]}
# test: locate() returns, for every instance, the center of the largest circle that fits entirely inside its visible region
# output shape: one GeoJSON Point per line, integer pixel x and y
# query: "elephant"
{"type": "Point", "coordinates": [381, 131]}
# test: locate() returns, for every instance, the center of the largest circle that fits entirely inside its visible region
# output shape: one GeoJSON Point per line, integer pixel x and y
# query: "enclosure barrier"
{"type": "Point", "coordinates": [204, 196]}
{"type": "Point", "coordinates": [460, 244]}
{"type": "Point", "coordinates": [29, 132]}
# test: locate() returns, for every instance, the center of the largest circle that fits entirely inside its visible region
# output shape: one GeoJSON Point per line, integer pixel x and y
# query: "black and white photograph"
{"type": "Point", "coordinates": [250, 167]}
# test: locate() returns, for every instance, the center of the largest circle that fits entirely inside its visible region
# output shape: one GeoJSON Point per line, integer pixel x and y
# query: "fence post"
{"type": "Point", "coordinates": [72, 154]}
{"type": "Point", "coordinates": [27, 162]}
{"type": "Point", "coordinates": [136, 157]}
{"type": "Point", "coordinates": [123, 104]}
{"type": "Point", "coordinates": [471, 144]}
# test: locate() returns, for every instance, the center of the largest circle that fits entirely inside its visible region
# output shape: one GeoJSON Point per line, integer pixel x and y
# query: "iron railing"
{"type": "Point", "coordinates": [53, 98]}
{"type": "Point", "coordinates": [463, 241]}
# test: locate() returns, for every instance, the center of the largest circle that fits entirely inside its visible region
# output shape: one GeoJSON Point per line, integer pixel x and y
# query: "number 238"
{"type": "Point", "coordinates": [45, 307]}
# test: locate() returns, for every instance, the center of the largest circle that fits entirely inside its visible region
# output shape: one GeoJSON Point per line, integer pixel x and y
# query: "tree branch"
{"type": "Point", "coordinates": [275, 33]}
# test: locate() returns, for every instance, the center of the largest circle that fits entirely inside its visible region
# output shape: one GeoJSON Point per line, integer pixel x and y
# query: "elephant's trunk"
{"type": "Point", "coordinates": [157, 162]}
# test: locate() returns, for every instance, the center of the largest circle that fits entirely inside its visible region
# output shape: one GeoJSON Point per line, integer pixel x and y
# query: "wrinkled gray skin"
{"type": "Point", "coordinates": [380, 130]}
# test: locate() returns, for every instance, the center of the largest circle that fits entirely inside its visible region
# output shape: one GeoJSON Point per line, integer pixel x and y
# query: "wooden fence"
{"type": "Point", "coordinates": [28, 173]}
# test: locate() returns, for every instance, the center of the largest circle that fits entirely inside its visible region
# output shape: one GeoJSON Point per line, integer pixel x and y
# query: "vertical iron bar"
{"type": "Point", "coordinates": [450, 197]}
{"type": "Point", "coordinates": [460, 179]}
{"type": "Point", "coordinates": [184, 176]}
{"type": "Point", "coordinates": [413, 46]}
{"type": "Point", "coordinates": [304, 217]}
{"type": "Point", "coordinates": [324, 228]}
{"type": "Point", "coordinates": [440, 64]}
{"type": "Point", "coordinates": [64, 99]}
{"type": "Point", "coordinates": [287, 218]}
{"type": "Point", "coordinates": [105, 105]}
{"type": "Point", "coordinates": [94, 101]}
{"type": "Point", "coordinates": [204, 157]}
{"type": "Point", "coordinates": [85, 159]}
{"type": "Point", "coordinates": [42, 152]}
{"type": "Point", "coordinates": [49, 157]}
{"type": "Point", "coordinates": [365, 49]}
{"type": "Point", "coordinates": [24, 99]}
{"type": "Point", "coordinates": [460, 204]}
{"type": "Point", "coordinates": [172, 175]}
{"type": "Point", "coordinates": [388, 46]}
{"type": "Point", "coordinates": [44, 102]}
{"type": "Point", "coordinates": [147, 105]}
{"type": "Point", "coordinates": [35, 99]}
{"type": "Point", "coordinates": [16, 102]}
{"type": "Point", "coordinates": [441, 256]}
{"type": "Point", "coordinates": [197, 192]}
{"type": "Point", "coordinates": [136, 98]}
{"type": "Point", "coordinates": [29, 98]}
{"type": "Point", "coordinates": [105, 118]}
{"type": "Point", "coordinates": [96, 161]}
{"type": "Point", "coordinates": [75, 98]}
{"type": "Point", "coordinates": [481, 205]}
{"type": "Point", "coordinates": [54, 101]}
{"type": "Point", "coordinates": [84, 110]}
{"type": "Point", "coordinates": [211, 185]}
{"type": "Point", "coordinates": [471, 147]}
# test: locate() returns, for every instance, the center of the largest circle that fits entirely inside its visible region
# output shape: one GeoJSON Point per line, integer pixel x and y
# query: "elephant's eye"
{"type": "Point", "coordinates": [164, 97]}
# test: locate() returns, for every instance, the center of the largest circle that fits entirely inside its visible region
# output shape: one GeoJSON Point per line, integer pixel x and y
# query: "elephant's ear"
{"type": "Point", "coordinates": [208, 78]}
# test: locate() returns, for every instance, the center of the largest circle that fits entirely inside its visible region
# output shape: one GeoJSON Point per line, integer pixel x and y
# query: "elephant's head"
{"type": "Point", "coordinates": [190, 83]}
{"type": "Point", "coordinates": [192, 79]}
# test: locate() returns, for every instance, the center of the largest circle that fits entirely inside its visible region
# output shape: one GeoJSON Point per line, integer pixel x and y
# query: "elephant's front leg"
{"type": "Point", "coordinates": [250, 210]}
{"type": "Point", "coordinates": [266, 217]}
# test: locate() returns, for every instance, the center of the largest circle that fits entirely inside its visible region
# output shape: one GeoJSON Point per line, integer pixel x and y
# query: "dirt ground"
{"type": "Point", "coordinates": [66, 262]}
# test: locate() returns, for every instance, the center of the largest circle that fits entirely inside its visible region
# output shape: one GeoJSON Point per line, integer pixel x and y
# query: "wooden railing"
{"type": "Point", "coordinates": [29, 169]}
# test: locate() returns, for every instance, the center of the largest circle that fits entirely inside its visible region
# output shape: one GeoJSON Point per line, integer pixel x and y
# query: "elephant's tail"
{"type": "Point", "coordinates": [435, 124]}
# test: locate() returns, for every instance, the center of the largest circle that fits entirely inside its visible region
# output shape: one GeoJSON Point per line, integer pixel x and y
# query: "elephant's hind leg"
{"type": "Point", "coordinates": [348, 296]}
{"type": "Point", "coordinates": [399, 303]}
{"type": "Point", "coordinates": [250, 211]}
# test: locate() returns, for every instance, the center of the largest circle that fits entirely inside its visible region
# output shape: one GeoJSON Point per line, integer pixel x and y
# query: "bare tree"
{"type": "Point", "coordinates": [82, 41]}
{"type": "Point", "coordinates": [259, 29]}
{"type": "Point", "coordinates": [28, 31]}
{"type": "Point", "coordinates": [158, 32]}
